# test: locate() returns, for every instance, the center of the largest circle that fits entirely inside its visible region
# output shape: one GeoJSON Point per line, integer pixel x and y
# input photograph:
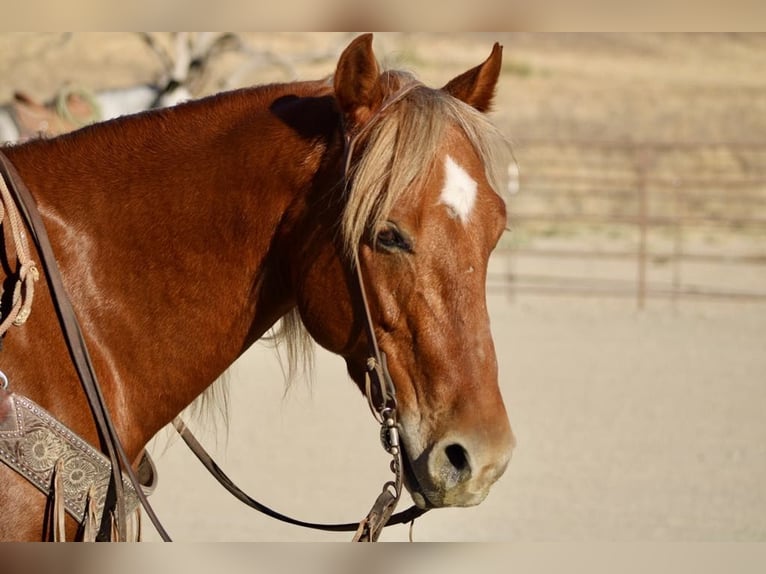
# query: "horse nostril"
{"type": "Point", "coordinates": [458, 458]}
{"type": "Point", "coordinates": [449, 466]}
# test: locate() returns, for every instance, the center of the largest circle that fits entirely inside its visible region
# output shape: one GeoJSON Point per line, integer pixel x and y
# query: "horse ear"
{"type": "Point", "coordinates": [476, 87]}
{"type": "Point", "coordinates": [356, 83]}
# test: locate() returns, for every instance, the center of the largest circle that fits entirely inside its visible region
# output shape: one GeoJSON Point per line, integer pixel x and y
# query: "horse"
{"type": "Point", "coordinates": [185, 234]}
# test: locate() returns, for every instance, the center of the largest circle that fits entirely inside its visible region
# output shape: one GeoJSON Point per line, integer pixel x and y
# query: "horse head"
{"type": "Point", "coordinates": [420, 216]}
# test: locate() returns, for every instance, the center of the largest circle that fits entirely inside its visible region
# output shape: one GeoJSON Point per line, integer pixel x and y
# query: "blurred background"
{"type": "Point", "coordinates": [628, 298]}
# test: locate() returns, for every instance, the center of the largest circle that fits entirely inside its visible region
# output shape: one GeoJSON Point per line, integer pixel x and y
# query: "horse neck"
{"type": "Point", "coordinates": [164, 226]}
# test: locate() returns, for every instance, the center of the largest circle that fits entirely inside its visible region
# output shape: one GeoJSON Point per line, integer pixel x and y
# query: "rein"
{"type": "Point", "coordinates": [199, 451]}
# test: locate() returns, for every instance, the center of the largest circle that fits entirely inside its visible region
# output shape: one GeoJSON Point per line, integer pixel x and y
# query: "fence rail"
{"type": "Point", "coordinates": [645, 189]}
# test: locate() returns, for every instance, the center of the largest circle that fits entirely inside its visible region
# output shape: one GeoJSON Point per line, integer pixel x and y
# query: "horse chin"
{"type": "Point", "coordinates": [411, 483]}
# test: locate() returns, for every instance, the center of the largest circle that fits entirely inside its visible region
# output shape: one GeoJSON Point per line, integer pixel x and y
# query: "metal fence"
{"type": "Point", "coordinates": [650, 206]}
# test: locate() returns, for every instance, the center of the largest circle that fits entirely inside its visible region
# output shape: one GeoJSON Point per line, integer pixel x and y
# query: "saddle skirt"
{"type": "Point", "coordinates": [34, 444]}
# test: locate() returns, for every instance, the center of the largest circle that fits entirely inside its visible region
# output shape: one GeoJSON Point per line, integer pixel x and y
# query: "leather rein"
{"type": "Point", "coordinates": [376, 378]}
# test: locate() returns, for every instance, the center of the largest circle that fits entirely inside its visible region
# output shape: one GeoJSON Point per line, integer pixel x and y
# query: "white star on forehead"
{"type": "Point", "coordinates": [459, 192]}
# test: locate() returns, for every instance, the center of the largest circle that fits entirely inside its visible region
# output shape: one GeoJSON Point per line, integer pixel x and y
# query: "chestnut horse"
{"type": "Point", "coordinates": [184, 234]}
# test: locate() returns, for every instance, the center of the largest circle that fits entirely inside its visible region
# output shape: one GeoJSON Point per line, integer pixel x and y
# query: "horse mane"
{"type": "Point", "coordinates": [298, 345]}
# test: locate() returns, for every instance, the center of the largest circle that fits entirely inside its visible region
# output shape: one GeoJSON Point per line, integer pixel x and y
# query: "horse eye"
{"type": "Point", "coordinates": [391, 239]}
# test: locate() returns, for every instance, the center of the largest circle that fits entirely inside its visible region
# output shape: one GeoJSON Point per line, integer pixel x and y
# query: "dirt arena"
{"type": "Point", "coordinates": [631, 425]}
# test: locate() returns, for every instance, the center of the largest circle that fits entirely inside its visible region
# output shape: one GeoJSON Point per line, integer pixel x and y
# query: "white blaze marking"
{"type": "Point", "coordinates": [459, 193]}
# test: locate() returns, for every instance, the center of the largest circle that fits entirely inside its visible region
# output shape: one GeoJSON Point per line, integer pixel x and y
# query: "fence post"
{"type": "Point", "coordinates": [642, 166]}
{"type": "Point", "coordinates": [678, 212]}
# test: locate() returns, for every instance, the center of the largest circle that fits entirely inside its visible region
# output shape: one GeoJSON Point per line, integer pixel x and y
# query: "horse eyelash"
{"type": "Point", "coordinates": [401, 241]}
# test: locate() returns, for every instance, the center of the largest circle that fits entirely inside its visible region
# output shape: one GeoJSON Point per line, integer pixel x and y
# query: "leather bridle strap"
{"type": "Point", "coordinates": [207, 461]}
{"type": "Point", "coordinates": [80, 357]}
{"type": "Point", "coordinates": [377, 375]}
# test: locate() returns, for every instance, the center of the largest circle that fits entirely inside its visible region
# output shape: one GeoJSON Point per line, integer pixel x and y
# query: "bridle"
{"type": "Point", "coordinates": [376, 374]}
{"type": "Point", "coordinates": [376, 378]}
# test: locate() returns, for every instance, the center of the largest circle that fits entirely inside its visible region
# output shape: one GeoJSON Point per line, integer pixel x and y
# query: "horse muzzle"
{"type": "Point", "coordinates": [456, 471]}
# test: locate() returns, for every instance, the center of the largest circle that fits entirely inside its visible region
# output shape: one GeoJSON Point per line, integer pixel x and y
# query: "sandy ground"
{"type": "Point", "coordinates": [631, 426]}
